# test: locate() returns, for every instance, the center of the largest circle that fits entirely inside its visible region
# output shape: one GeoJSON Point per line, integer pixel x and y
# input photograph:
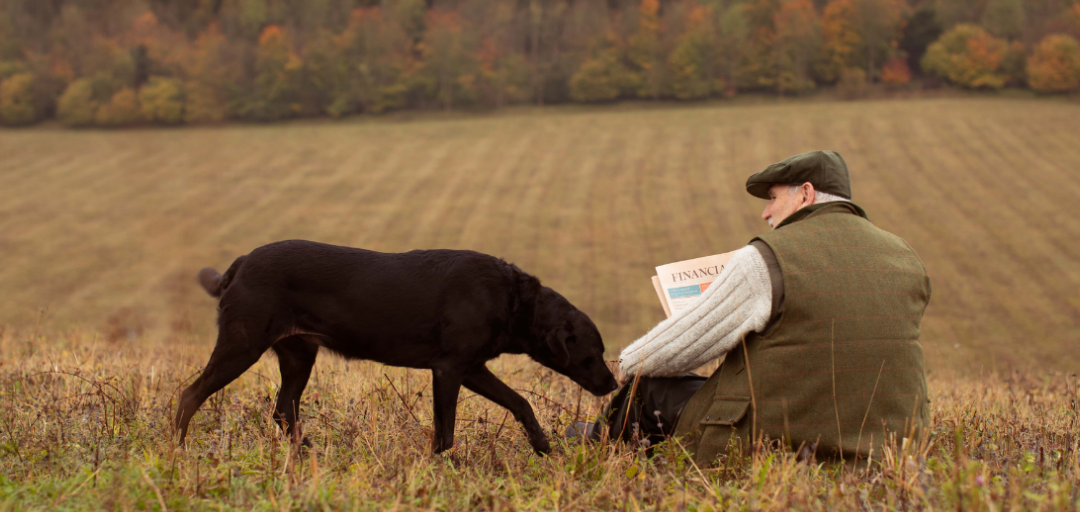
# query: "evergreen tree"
{"type": "Point", "coordinates": [920, 30]}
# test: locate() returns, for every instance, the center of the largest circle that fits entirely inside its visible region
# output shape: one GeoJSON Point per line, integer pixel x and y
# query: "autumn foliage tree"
{"type": "Point", "coordinates": [895, 72]}
{"type": "Point", "coordinates": [967, 56]}
{"type": "Point", "coordinates": [756, 66]}
{"type": "Point", "coordinates": [798, 45]}
{"type": "Point", "coordinates": [78, 106]}
{"type": "Point", "coordinates": [647, 53]}
{"type": "Point", "coordinates": [369, 71]}
{"type": "Point", "coordinates": [161, 100]}
{"type": "Point", "coordinates": [449, 67]}
{"type": "Point", "coordinates": [208, 77]}
{"type": "Point", "coordinates": [602, 77]}
{"type": "Point", "coordinates": [1054, 67]}
{"type": "Point", "coordinates": [841, 39]}
{"type": "Point", "coordinates": [122, 109]}
{"type": "Point", "coordinates": [503, 68]}
{"type": "Point", "coordinates": [860, 33]}
{"type": "Point", "coordinates": [17, 100]}
{"type": "Point", "coordinates": [693, 65]}
{"type": "Point", "coordinates": [276, 89]}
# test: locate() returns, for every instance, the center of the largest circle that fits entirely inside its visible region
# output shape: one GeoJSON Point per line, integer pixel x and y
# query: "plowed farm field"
{"type": "Point", "coordinates": [103, 231]}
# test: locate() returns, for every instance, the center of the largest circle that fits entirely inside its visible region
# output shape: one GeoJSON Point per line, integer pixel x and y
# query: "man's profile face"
{"type": "Point", "coordinates": [782, 203]}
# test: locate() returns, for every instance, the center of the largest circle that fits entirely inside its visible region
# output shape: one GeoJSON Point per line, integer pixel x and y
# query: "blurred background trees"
{"type": "Point", "coordinates": [124, 62]}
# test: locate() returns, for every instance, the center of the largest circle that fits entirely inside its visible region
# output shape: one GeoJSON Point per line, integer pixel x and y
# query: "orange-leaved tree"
{"type": "Point", "coordinates": [841, 39]}
{"type": "Point", "coordinates": [895, 72]}
{"type": "Point", "coordinates": [374, 60]}
{"type": "Point", "coordinates": [967, 56]}
{"type": "Point", "coordinates": [756, 64]}
{"type": "Point", "coordinates": [449, 65]}
{"type": "Point", "coordinates": [122, 109]}
{"type": "Point", "coordinates": [694, 66]}
{"type": "Point", "coordinates": [503, 69]}
{"type": "Point", "coordinates": [647, 51]}
{"type": "Point", "coordinates": [860, 33]}
{"type": "Point", "coordinates": [1055, 65]}
{"type": "Point", "coordinates": [277, 86]}
{"type": "Point", "coordinates": [208, 78]}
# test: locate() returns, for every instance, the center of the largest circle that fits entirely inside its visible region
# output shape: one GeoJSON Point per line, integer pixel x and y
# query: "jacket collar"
{"type": "Point", "coordinates": [830, 207]}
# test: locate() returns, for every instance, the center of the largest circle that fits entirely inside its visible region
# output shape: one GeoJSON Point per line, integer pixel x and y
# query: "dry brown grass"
{"type": "Point", "coordinates": [84, 425]}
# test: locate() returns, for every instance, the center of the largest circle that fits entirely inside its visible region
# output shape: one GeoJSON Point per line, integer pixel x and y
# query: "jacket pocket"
{"type": "Point", "coordinates": [726, 411]}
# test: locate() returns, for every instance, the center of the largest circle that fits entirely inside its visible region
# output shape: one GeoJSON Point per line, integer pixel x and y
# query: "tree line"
{"type": "Point", "coordinates": [125, 62]}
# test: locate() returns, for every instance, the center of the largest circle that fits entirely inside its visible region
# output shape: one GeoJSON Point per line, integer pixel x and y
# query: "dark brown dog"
{"type": "Point", "coordinates": [443, 310]}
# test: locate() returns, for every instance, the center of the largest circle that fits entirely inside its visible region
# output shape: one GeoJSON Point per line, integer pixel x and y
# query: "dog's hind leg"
{"type": "Point", "coordinates": [234, 353]}
{"type": "Point", "coordinates": [445, 385]}
{"type": "Point", "coordinates": [296, 357]}
{"type": "Point", "coordinates": [486, 384]}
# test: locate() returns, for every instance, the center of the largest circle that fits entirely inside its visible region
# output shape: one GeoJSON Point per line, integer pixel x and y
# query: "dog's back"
{"type": "Point", "coordinates": [387, 307]}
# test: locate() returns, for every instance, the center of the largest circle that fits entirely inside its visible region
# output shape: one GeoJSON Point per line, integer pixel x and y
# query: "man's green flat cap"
{"type": "Point", "coordinates": [826, 170]}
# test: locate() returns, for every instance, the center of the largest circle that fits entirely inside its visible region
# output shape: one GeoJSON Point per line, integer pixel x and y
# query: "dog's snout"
{"type": "Point", "coordinates": [609, 385]}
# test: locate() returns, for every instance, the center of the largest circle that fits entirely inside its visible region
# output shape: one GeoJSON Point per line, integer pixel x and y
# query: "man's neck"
{"type": "Point", "coordinates": [806, 211]}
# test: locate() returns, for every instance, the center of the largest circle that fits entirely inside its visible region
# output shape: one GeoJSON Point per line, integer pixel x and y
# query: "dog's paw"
{"type": "Point", "coordinates": [542, 447]}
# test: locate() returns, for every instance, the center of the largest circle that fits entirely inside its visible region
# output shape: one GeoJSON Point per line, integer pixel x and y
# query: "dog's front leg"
{"type": "Point", "coordinates": [445, 385]}
{"type": "Point", "coordinates": [484, 383]}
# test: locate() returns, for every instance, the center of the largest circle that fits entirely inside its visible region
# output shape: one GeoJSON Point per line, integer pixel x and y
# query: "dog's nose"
{"type": "Point", "coordinates": [603, 389]}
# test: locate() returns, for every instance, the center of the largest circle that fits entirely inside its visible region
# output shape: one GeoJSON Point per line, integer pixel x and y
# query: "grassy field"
{"type": "Point", "coordinates": [107, 229]}
{"type": "Point", "coordinates": [102, 232]}
{"type": "Point", "coordinates": [85, 426]}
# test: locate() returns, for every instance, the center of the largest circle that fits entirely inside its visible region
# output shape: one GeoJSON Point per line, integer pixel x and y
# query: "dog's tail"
{"type": "Point", "coordinates": [214, 283]}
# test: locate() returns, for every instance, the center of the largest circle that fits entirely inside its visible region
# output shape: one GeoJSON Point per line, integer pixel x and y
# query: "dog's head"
{"type": "Point", "coordinates": [566, 340]}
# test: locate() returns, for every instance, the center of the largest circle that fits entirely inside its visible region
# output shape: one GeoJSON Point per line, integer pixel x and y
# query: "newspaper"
{"type": "Point", "coordinates": [678, 284]}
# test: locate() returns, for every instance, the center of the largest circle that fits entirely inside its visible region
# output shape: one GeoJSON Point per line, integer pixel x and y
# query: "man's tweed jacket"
{"type": "Point", "coordinates": [841, 367]}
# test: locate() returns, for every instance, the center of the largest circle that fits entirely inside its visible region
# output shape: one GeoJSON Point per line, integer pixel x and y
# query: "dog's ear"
{"type": "Point", "coordinates": [526, 292]}
{"type": "Point", "coordinates": [528, 288]}
{"type": "Point", "coordinates": [557, 340]}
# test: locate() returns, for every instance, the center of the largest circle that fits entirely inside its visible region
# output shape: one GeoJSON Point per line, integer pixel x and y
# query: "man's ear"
{"type": "Point", "coordinates": [556, 340]}
{"type": "Point", "coordinates": [808, 189]}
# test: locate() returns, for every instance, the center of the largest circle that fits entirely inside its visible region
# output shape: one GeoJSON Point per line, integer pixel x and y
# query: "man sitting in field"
{"type": "Point", "coordinates": [819, 320]}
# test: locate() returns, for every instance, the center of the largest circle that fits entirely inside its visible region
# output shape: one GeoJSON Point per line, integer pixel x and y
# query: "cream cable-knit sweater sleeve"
{"type": "Point", "coordinates": [737, 303]}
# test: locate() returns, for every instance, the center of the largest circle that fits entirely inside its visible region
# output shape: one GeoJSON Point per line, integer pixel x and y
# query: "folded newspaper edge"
{"type": "Point", "coordinates": [660, 294]}
{"type": "Point", "coordinates": [678, 284]}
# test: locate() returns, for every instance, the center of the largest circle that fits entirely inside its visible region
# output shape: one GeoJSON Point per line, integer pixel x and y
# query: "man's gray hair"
{"type": "Point", "coordinates": [819, 196]}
